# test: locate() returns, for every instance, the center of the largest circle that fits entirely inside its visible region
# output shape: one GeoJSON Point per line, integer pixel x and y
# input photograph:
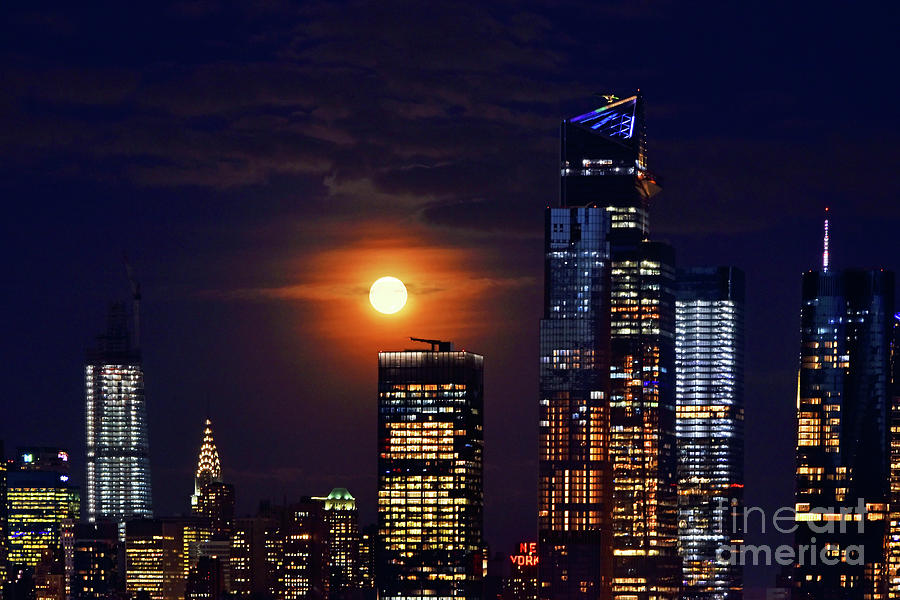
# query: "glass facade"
{"type": "Point", "coordinates": [843, 433]}
{"type": "Point", "coordinates": [709, 367]}
{"type": "Point", "coordinates": [117, 484]}
{"type": "Point", "coordinates": [38, 503]}
{"type": "Point", "coordinates": [154, 558]}
{"type": "Point", "coordinates": [604, 166]}
{"type": "Point", "coordinates": [574, 519]}
{"type": "Point", "coordinates": [430, 479]}
{"type": "Point", "coordinates": [642, 420]}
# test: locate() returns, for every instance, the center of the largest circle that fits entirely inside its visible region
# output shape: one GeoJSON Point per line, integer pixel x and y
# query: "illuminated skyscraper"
{"type": "Point", "coordinates": [247, 556]}
{"type": "Point", "coordinates": [118, 461]}
{"type": "Point", "coordinates": [209, 469]}
{"type": "Point", "coordinates": [617, 434]}
{"type": "Point", "coordinates": [575, 485]}
{"type": "Point", "coordinates": [642, 420]}
{"type": "Point", "coordinates": [297, 552]}
{"type": "Point", "coordinates": [39, 501]}
{"type": "Point", "coordinates": [430, 479]}
{"type": "Point", "coordinates": [342, 524]}
{"type": "Point", "coordinates": [212, 500]}
{"type": "Point", "coordinates": [843, 434]}
{"type": "Point", "coordinates": [154, 558]}
{"type": "Point", "coordinates": [709, 384]}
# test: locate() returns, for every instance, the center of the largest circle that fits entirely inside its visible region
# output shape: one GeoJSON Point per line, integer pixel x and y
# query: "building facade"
{"type": "Point", "coordinates": [710, 427]}
{"type": "Point", "coordinates": [154, 558]}
{"type": "Point", "coordinates": [632, 444]}
{"type": "Point", "coordinates": [842, 476]}
{"type": "Point", "coordinates": [247, 556]}
{"type": "Point", "coordinates": [95, 556]}
{"type": "Point", "coordinates": [297, 552]}
{"type": "Point", "coordinates": [367, 542]}
{"type": "Point", "coordinates": [40, 500]}
{"type": "Point", "coordinates": [575, 476]}
{"type": "Point", "coordinates": [430, 473]}
{"type": "Point", "coordinates": [342, 524]}
{"type": "Point", "coordinates": [117, 484]}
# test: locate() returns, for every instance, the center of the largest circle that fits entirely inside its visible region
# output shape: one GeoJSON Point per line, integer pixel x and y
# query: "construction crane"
{"type": "Point", "coordinates": [436, 345]}
{"type": "Point", "coordinates": [136, 301]}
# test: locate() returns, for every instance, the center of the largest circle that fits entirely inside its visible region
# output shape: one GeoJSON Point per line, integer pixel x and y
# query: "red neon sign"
{"type": "Point", "coordinates": [527, 556]}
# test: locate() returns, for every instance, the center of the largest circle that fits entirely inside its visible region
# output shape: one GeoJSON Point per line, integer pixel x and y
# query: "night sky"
{"type": "Point", "coordinates": [262, 166]}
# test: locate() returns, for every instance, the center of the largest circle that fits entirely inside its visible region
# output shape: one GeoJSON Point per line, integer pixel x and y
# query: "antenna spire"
{"type": "Point", "coordinates": [825, 243]}
{"type": "Point", "coordinates": [136, 301]}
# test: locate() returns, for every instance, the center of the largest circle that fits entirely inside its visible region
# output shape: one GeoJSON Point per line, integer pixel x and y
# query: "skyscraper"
{"type": "Point", "coordinates": [297, 552]}
{"type": "Point", "coordinates": [118, 462]}
{"type": "Point", "coordinates": [154, 558]}
{"type": "Point", "coordinates": [342, 523]}
{"type": "Point", "coordinates": [843, 434]}
{"type": "Point", "coordinates": [212, 500]}
{"type": "Point", "coordinates": [39, 500]}
{"type": "Point", "coordinates": [575, 485]}
{"type": "Point", "coordinates": [709, 376]}
{"type": "Point", "coordinates": [95, 559]}
{"type": "Point", "coordinates": [247, 556]}
{"type": "Point", "coordinates": [430, 479]}
{"type": "Point", "coordinates": [630, 440]}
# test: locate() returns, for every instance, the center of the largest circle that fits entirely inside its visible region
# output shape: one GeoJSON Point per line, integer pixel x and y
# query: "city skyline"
{"type": "Point", "coordinates": [262, 165]}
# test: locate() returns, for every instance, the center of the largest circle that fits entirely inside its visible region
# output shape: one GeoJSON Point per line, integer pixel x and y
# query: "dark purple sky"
{"type": "Point", "coordinates": [261, 166]}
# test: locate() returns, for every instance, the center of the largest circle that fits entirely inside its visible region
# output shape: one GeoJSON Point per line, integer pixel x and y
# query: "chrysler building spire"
{"type": "Point", "coordinates": [208, 467]}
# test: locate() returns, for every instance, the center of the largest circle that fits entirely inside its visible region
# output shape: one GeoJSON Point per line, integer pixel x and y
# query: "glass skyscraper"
{"type": "Point", "coordinates": [709, 373]}
{"type": "Point", "coordinates": [843, 454]}
{"type": "Point", "coordinates": [154, 558]}
{"type": "Point", "coordinates": [117, 485]}
{"type": "Point", "coordinates": [575, 486]}
{"type": "Point", "coordinates": [430, 473]}
{"type": "Point", "coordinates": [39, 501]}
{"type": "Point", "coordinates": [630, 444]}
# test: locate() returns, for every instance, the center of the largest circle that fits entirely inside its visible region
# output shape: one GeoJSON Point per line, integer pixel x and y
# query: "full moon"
{"type": "Point", "coordinates": [388, 295]}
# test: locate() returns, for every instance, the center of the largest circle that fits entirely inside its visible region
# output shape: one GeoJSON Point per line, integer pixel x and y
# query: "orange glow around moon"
{"type": "Point", "coordinates": [388, 295]}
